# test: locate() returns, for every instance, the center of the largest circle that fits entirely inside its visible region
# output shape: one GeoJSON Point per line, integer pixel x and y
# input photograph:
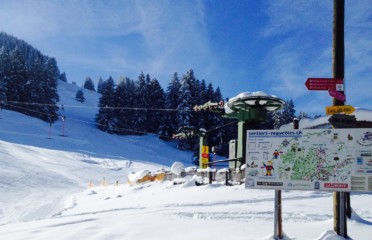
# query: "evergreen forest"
{"type": "Point", "coordinates": [29, 80]}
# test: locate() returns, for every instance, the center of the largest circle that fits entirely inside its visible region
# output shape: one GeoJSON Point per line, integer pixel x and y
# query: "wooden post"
{"type": "Point", "coordinates": [338, 59]}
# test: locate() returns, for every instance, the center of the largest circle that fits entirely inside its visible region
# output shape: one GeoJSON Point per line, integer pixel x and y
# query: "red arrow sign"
{"type": "Point", "coordinates": [338, 95]}
{"type": "Point", "coordinates": [323, 83]}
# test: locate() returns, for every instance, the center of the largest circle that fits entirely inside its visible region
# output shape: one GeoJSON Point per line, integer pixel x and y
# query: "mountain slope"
{"type": "Point", "coordinates": [45, 194]}
{"type": "Point", "coordinates": [82, 135]}
{"type": "Point", "coordinates": [36, 159]}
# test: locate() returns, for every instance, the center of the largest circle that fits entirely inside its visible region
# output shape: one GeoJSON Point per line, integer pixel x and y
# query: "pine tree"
{"type": "Point", "coordinates": [29, 77]}
{"type": "Point", "coordinates": [124, 98]}
{"type": "Point", "coordinates": [284, 116]}
{"type": "Point", "coordinates": [288, 112]}
{"type": "Point", "coordinates": [210, 96]}
{"type": "Point", "coordinates": [49, 86]}
{"type": "Point", "coordinates": [120, 110]}
{"type": "Point", "coordinates": [156, 101]}
{"type": "Point", "coordinates": [17, 80]}
{"type": "Point", "coordinates": [105, 117]}
{"type": "Point", "coordinates": [194, 86]}
{"type": "Point", "coordinates": [4, 73]}
{"type": "Point", "coordinates": [277, 119]}
{"type": "Point", "coordinates": [269, 124]}
{"type": "Point", "coordinates": [200, 118]}
{"type": "Point", "coordinates": [34, 89]}
{"type": "Point", "coordinates": [141, 102]}
{"type": "Point", "coordinates": [303, 115]}
{"type": "Point", "coordinates": [169, 125]}
{"type": "Point", "coordinates": [317, 116]}
{"type": "Point", "coordinates": [100, 85]}
{"type": "Point", "coordinates": [88, 84]}
{"type": "Point", "coordinates": [80, 96]}
{"type": "Point", "coordinates": [184, 115]}
{"type": "Point", "coordinates": [63, 77]}
{"type": "Point", "coordinates": [216, 121]}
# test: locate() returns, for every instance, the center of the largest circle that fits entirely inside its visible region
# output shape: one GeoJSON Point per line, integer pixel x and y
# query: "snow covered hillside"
{"type": "Point", "coordinates": [82, 134]}
{"type": "Point", "coordinates": [45, 193]}
{"type": "Point", "coordinates": [36, 159]}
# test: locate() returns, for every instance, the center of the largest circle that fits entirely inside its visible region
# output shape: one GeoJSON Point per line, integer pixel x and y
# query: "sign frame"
{"type": "Point", "coordinates": [310, 159]}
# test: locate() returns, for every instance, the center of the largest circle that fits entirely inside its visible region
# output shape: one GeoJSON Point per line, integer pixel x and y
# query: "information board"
{"type": "Point", "coordinates": [310, 159]}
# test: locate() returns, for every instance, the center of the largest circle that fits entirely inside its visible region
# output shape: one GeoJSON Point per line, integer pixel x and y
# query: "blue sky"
{"type": "Point", "coordinates": [240, 46]}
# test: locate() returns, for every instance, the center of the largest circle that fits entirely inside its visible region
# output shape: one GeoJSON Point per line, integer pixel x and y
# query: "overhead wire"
{"type": "Point", "coordinates": [105, 107]}
{"type": "Point", "coordinates": [225, 125]}
{"type": "Point", "coordinates": [88, 122]}
{"type": "Point", "coordinates": [95, 123]}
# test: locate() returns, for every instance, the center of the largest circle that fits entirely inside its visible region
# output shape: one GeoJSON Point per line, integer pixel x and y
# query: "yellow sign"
{"type": "Point", "coordinates": [340, 109]}
{"type": "Point", "coordinates": [204, 156]}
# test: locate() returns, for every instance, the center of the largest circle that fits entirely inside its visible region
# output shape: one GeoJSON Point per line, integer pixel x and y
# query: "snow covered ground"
{"type": "Point", "coordinates": [45, 193]}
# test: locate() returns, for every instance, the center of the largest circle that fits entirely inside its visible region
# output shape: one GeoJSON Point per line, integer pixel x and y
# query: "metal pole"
{"type": "Point", "coordinates": [201, 144]}
{"type": "Point", "coordinates": [63, 125]}
{"type": "Point", "coordinates": [278, 229]}
{"type": "Point", "coordinates": [342, 215]}
{"type": "Point", "coordinates": [348, 205]}
{"type": "Point", "coordinates": [276, 216]}
{"type": "Point", "coordinates": [227, 177]}
{"type": "Point", "coordinates": [242, 132]}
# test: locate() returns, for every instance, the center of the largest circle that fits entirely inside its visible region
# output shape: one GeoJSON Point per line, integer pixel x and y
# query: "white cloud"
{"type": "Point", "coordinates": [175, 35]}
{"type": "Point", "coordinates": [40, 19]}
{"type": "Point", "coordinates": [287, 16]}
{"type": "Point", "coordinates": [303, 34]}
{"type": "Point", "coordinates": [161, 37]}
{"type": "Point", "coordinates": [153, 36]}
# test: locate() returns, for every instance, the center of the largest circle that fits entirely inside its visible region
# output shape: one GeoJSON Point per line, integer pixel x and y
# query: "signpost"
{"type": "Point", "coordinates": [334, 86]}
{"type": "Point", "coordinates": [340, 109]}
{"type": "Point", "coordinates": [324, 84]}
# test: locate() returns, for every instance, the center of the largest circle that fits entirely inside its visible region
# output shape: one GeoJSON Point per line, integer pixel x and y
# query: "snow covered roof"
{"type": "Point", "coordinates": [254, 96]}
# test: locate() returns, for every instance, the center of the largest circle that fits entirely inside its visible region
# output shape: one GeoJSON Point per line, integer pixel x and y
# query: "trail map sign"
{"type": "Point", "coordinates": [310, 159]}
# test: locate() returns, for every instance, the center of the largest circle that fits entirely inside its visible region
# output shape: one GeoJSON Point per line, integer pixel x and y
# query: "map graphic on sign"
{"type": "Point", "coordinates": [312, 159]}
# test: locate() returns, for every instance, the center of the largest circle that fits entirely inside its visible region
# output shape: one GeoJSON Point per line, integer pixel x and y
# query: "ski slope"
{"type": "Point", "coordinates": [45, 193]}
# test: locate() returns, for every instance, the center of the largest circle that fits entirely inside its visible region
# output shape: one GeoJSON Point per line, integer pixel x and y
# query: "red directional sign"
{"type": "Point", "coordinates": [324, 83]}
{"type": "Point", "coordinates": [338, 95]}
